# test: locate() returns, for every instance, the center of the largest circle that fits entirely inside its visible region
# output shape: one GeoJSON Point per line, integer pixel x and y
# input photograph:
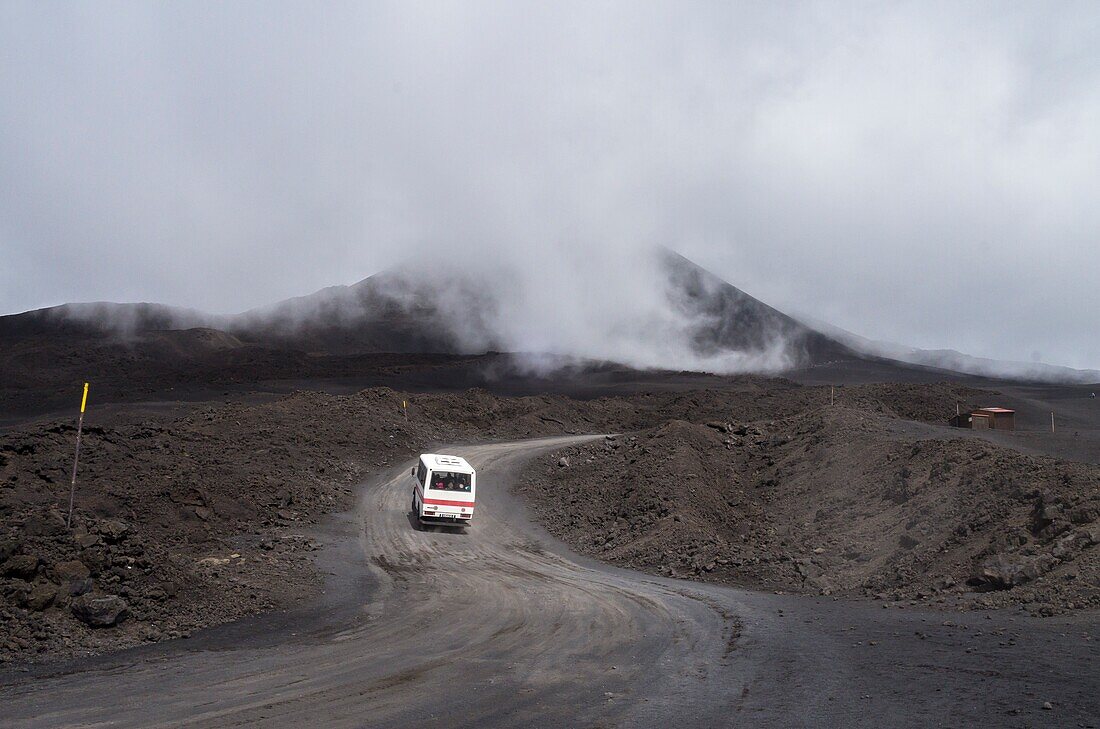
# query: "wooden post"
{"type": "Point", "coordinates": [76, 458]}
{"type": "Point", "coordinates": [1051, 421]}
{"type": "Point", "coordinates": [831, 388]}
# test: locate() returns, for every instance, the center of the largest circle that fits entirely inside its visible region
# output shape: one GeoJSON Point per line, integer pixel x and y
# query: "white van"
{"type": "Point", "coordinates": [443, 490]}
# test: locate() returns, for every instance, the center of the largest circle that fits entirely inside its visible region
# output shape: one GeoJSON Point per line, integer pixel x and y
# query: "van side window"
{"type": "Point", "coordinates": [421, 473]}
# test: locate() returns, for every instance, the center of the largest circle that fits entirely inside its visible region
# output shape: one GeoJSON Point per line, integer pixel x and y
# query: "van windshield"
{"type": "Point", "coordinates": [448, 481]}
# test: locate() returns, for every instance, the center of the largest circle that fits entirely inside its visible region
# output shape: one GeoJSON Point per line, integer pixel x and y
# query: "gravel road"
{"type": "Point", "coordinates": [501, 626]}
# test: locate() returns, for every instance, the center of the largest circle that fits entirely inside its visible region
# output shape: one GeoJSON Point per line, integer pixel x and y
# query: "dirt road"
{"type": "Point", "coordinates": [500, 626]}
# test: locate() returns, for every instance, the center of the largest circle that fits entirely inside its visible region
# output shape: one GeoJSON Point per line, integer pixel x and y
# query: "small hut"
{"type": "Point", "coordinates": [988, 419]}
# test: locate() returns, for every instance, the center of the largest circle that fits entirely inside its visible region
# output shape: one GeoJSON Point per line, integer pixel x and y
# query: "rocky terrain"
{"type": "Point", "coordinates": [187, 520]}
{"type": "Point", "coordinates": [851, 499]}
{"type": "Point", "coordinates": [194, 515]}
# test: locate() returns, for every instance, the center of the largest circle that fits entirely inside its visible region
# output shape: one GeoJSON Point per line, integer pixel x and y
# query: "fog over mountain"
{"type": "Point", "coordinates": [682, 318]}
{"type": "Point", "coordinates": [696, 321]}
{"type": "Point", "coordinates": [917, 173]}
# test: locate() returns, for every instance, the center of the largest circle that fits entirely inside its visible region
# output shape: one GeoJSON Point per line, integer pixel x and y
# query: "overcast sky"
{"type": "Point", "coordinates": [916, 172]}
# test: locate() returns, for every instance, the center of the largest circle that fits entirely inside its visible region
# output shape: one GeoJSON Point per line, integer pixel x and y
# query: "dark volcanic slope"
{"type": "Point", "coordinates": [397, 312]}
{"type": "Point", "coordinates": [402, 312]}
{"type": "Point", "coordinates": [102, 318]}
{"type": "Point", "coordinates": [383, 313]}
{"type": "Point", "coordinates": [387, 312]}
{"type": "Point", "coordinates": [728, 319]}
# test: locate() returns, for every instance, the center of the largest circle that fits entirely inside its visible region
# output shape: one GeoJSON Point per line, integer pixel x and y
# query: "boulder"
{"type": "Point", "coordinates": [70, 570]}
{"type": "Point", "coordinates": [113, 530]}
{"type": "Point", "coordinates": [85, 541]}
{"type": "Point", "coordinates": [998, 573]}
{"type": "Point", "coordinates": [23, 566]}
{"type": "Point", "coordinates": [100, 612]}
{"type": "Point", "coordinates": [41, 597]}
{"type": "Point", "coordinates": [563, 462]}
{"type": "Point", "coordinates": [1004, 572]}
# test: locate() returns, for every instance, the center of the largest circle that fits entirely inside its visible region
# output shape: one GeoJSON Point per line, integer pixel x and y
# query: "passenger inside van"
{"type": "Point", "coordinates": [444, 481]}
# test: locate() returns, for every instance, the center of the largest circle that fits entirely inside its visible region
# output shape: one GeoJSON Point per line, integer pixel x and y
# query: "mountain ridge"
{"type": "Point", "coordinates": [389, 312]}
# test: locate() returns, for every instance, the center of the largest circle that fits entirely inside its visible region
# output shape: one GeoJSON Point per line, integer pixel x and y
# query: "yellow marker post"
{"type": "Point", "coordinates": [405, 409]}
{"type": "Point", "coordinates": [76, 459]}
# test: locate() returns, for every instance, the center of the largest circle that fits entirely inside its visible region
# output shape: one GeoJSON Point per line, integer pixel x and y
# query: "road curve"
{"type": "Point", "coordinates": [501, 626]}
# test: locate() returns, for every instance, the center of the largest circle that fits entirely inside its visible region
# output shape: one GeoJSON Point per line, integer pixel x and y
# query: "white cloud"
{"type": "Point", "coordinates": [924, 173]}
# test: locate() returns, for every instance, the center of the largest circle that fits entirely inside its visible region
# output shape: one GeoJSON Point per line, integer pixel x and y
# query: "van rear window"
{"type": "Point", "coordinates": [448, 481]}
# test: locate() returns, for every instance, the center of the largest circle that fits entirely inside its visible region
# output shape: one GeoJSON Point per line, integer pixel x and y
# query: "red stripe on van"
{"type": "Point", "coordinates": [448, 502]}
{"type": "Point", "coordinates": [441, 502]}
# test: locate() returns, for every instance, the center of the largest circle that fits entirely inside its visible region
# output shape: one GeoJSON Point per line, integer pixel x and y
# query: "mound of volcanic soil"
{"type": "Point", "coordinates": [846, 500]}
